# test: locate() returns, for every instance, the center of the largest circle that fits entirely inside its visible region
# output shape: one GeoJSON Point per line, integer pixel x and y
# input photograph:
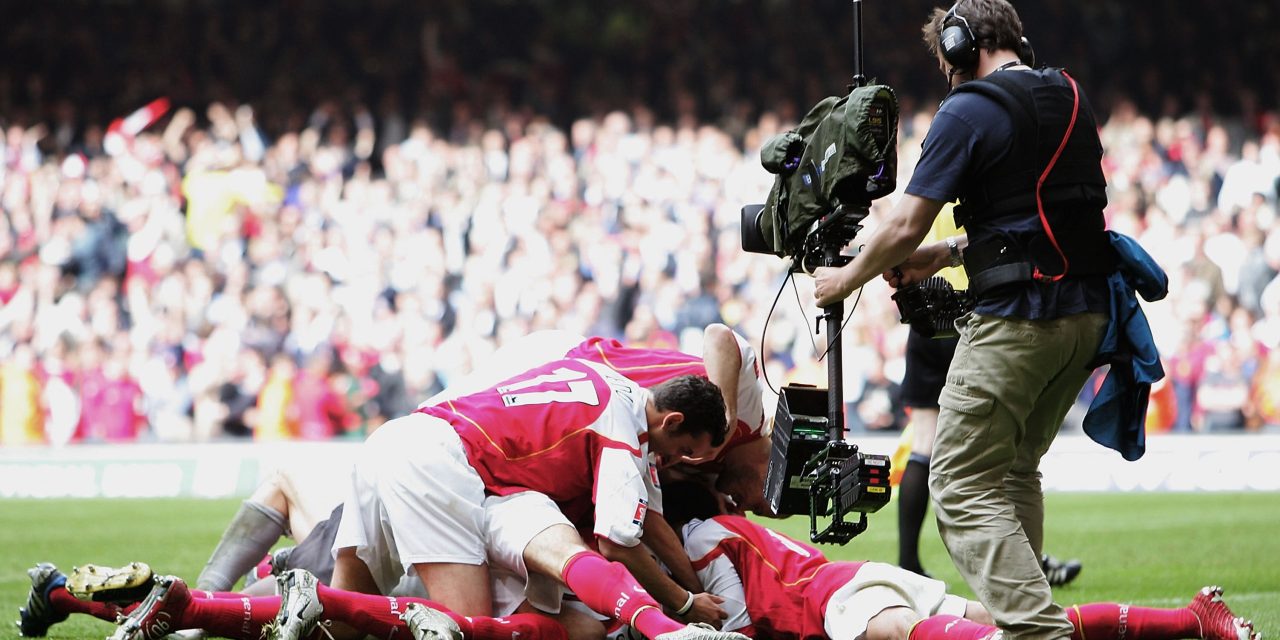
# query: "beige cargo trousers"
{"type": "Point", "coordinates": [1008, 389]}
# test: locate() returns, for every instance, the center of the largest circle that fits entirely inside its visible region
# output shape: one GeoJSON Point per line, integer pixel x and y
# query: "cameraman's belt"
{"type": "Point", "coordinates": [999, 275]}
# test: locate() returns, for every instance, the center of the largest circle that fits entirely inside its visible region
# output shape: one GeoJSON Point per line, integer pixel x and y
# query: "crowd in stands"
{"type": "Point", "coordinates": [217, 267]}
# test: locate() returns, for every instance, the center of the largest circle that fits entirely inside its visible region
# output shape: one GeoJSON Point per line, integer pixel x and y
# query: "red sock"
{"type": "Point", "coordinates": [263, 570]}
{"type": "Point", "coordinates": [1108, 621]}
{"type": "Point", "coordinates": [61, 600]}
{"type": "Point", "coordinates": [379, 616]}
{"type": "Point", "coordinates": [513, 627]}
{"type": "Point", "coordinates": [239, 618]}
{"type": "Point", "coordinates": [609, 589]}
{"type": "Point", "coordinates": [215, 595]}
{"type": "Point", "coordinates": [943, 627]}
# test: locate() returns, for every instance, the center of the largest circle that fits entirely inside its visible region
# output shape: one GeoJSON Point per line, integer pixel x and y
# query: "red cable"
{"type": "Point", "coordinates": [1044, 220]}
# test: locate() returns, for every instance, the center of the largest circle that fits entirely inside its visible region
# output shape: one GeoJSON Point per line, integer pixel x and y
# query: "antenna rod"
{"type": "Point", "coordinates": [859, 79]}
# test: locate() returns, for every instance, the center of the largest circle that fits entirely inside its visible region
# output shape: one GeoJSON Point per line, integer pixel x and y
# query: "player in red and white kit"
{"type": "Point", "coordinates": [738, 468]}
{"type": "Point", "coordinates": [727, 359]}
{"type": "Point", "coordinates": [779, 588]}
{"type": "Point", "coordinates": [484, 477]}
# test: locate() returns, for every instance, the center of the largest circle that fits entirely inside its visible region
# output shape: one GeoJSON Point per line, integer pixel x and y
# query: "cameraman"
{"type": "Point", "coordinates": [1037, 256]}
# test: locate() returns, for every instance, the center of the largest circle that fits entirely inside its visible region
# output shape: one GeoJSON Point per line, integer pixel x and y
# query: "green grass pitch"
{"type": "Point", "coordinates": [1153, 549]}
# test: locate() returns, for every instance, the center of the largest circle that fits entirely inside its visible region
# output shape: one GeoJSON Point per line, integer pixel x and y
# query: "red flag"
{"type": "Point", "coordinates": [121, 131]}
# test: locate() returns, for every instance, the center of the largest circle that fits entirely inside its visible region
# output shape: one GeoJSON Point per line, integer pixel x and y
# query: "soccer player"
{"type": "Point", "coordinates": [291, 502]}
{"type": "Point", "coordinates": [170, 605]}
{"type": "Point", "coordinates": [285, 504]}
{"type": "Point", "coordinates": [780, 588]}
{"type": "Point", "coordinates": [560, 436]}
{"type": "Point", "coordinates": [563, 436]}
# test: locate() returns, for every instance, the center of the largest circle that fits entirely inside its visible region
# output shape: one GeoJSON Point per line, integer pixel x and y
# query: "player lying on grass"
{"type": "Point", "coordinates": [779, 588]}
{"type": "Point", "coordinates": [291, 504]}
{"type": "Point", "coordinates": [169, 605]}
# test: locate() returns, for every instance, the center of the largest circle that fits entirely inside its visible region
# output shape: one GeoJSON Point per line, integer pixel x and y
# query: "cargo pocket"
{"type": "Point", "coordinates": [975, 409]}
{"type": "Point", "coordinates": [969, 428]}
{"type": "Point", "coordinates": [965, 402]}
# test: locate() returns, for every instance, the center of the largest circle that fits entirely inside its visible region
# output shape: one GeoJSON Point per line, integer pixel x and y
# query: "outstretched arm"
{"type": "Point", "coordinates": [665, 544]}
{"type": "Point", "coordinates": [895, 243]}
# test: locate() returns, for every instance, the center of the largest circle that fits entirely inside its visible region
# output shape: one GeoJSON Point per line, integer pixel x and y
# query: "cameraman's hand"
{"type": "Point", "coordinates": [922, 263]}
{"type": "Point", "coordinates": [831, 284]}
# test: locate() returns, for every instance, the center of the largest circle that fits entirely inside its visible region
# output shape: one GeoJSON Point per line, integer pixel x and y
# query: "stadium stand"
{"type": "Point", "coordinates": [307, 222]}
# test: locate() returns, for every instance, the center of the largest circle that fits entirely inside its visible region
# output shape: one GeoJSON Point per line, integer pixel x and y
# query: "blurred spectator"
{"type": "Point", "coordinates": [878, 406]}
{"type": "Point", "coordinates": [21, 412]}
{"type": "Point", "coordinates": [276, 415]}
{"type": "Point", "coordinates": [319, 399]}
{"type": "Point", "coordinates": [1264, 400]}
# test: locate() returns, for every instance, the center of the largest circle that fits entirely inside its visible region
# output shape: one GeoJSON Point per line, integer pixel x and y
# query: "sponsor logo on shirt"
{"type": "Point", "coordinates": [642, 506]}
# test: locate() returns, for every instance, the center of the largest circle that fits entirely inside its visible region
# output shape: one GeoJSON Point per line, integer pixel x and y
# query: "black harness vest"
{"type": "Point", "coordinates": [995, 206]}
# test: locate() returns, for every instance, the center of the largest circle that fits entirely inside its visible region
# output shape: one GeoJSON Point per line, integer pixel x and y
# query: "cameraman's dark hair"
{"type": "Point", "coordinates": [995, 25]}
{"type": "Point", "coordinates": [699, 400]}
{"type": "Point", "coordinates": [685, 500]}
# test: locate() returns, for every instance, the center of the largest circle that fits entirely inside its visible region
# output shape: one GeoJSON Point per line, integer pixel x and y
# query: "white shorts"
{"type": "Point", "coordinates": [878, 586]}
{"type": "Point", "coordinates": [414, 498]}
{"type": "Point", "coordinates": [519, 356]}
{"type": "Point", "coordinates": [513, 521]}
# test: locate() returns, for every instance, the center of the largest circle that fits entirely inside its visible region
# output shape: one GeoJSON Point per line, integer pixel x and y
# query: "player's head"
{"type": "Point", "coordinates": [685, 500]}
{"type": "Point", "coordinates": [956, 35]}
{"type": "Point", "coordinates": [692, 423]}
{"type": "Point", "coordinates": [744, 486]}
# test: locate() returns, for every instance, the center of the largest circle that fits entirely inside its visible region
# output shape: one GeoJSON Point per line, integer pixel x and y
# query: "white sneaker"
{"type": "Point", "coordinates": [426, 623]}
{"type": "Point", "coordinates": [300, 607]}
{"type": "Point", "coordinates": [701, 631]}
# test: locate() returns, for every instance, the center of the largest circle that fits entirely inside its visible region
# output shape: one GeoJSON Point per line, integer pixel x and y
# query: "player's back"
{"type": "Point", "coordinates": [648, 367]}
{"type": "Point", "coordinates": [652, 367]}
{"type": "Point", "coordinates": [545, 429]}
{"type": "Point", "coordinates": [786, 582]}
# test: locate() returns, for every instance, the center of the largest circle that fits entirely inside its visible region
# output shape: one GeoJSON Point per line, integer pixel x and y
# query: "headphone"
{"type": "Point", "coordinates": [959, 47]}
{"type": "Point", "coordinates": [956, 42]}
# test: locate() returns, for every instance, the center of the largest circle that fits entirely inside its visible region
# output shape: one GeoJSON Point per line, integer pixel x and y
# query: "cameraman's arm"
{"type": "Point", "coordinates": [892, 244]}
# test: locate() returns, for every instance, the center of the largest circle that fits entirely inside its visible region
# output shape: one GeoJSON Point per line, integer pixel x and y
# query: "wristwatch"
{"type": "Point", "coordinates": [954, 249]}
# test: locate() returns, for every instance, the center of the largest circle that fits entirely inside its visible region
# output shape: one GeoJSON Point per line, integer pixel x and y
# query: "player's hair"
{"type": "Point", "coordinates": [685, 500]}
{"type": "Point", "coordinates": [994, 23]}
{"type": "Point", "coordinates": [699, 400]}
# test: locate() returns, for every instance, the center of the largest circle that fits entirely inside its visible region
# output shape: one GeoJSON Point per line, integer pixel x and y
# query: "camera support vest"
{"type": "Point", "coordinates": [1073, 192]}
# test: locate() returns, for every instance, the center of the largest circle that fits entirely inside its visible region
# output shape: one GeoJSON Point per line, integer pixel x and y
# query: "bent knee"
{"type": "Point", "coordinates": [894, 623]}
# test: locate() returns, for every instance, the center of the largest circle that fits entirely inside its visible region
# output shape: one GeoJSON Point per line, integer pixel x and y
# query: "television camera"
{"type": "Point", "coordinates": [841, 157]}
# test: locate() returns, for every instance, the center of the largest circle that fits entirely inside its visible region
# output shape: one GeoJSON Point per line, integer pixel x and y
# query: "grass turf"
{"type": "Point", "coordinates": [1143, 548]}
